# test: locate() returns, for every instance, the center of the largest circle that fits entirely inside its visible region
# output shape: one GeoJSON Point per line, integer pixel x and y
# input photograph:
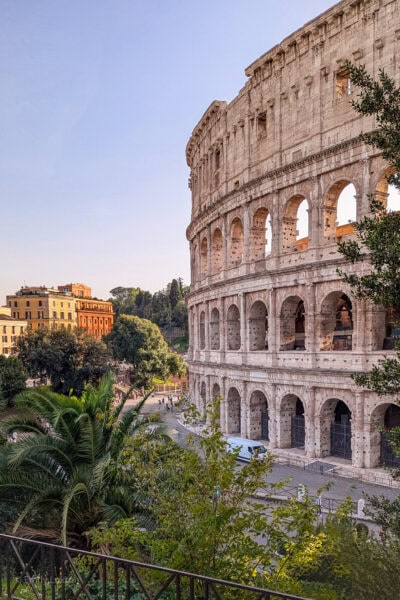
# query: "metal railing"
{"type": "Point", "coordinates": [43, 571]}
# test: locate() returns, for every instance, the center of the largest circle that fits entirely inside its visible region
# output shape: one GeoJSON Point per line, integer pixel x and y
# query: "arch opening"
{"type": "Point", "coordinates": [340, 209]}
{"type": "Point", "coordinates": [261, 234]}
{"type": "Point", "coordinates": [336, 330]}
{"type": "Point", "coordinates": [292, 324]}
{"type": "Point", "coordinates": [296, 225]}
{"type": "Point", "coordinates": [392, 330]}
{"type": "Point", "coordinates": [234, 411]}
{"type": "Point", "coordinates": [336, 429]}
{"type": "Point", "coordinates": [236, 243]}
{"type": "Point", "coordinates": [214, 330]}
{"type": "Point", "coordinates": [292, 422]}
{"type": "Point", "coordinates": [203, 258]}
{"type": "Point", "coordinates": [259, 417]}
{"type": "Point", "coordinates": [387, 193]}
{"type": "Point", "coordinates": [216, 252]}
{"type": "Point", "coordinates": [258, 327]}
{"type": "Point", "coordinates": [233, 328]}
{"type": "Point", "coordinates": [202, 330]}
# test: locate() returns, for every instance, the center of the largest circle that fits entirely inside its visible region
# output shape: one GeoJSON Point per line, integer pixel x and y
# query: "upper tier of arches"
{"type": "Point", "coordinates": [263, 229]}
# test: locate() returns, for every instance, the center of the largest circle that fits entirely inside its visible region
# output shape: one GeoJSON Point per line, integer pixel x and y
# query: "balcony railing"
{"type": "Point", "coordinates": [31, 569]}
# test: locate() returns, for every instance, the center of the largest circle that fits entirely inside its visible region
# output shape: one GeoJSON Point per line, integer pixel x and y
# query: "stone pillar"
{"type": "Point", "coordinates": [273, 327]}
{"type": "Point", "coordinates": [246, 235]}
{"type": "Point", "coordinates": [363, 204]}
{"type": "Point", "coordinates": [222, 329]}
{"type": "Point", "coordinates": [310, 424]}
{"type": "Point", "coordinates": [224, 406]}
{"type": "Point", "coordinates": [191, 332]}
{"type": "Point", "coordinates": [357, 431]}
{"type": "Point", "coordinates": [243, 328]}
{"type": "Point", "coordinates": [225, 245]}
{"type": "Point", "coordinates": [315, 200]}
{"type": "Point", "coordinates": [272, 416]}
{"type": "Point", "coordinates": [244, 412]}
{"type": "Point", "coordinates": [209, 256]}
{"type": "Point", "coordinates": [207, 326]}
{"type": "Point", "coordinates": [196, 333]}
{"type": "Point", "coordinates": [311, 323]}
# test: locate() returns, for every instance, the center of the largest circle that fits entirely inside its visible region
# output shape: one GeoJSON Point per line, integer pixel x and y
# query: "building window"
{"type": "Point", "coordinates": [40, 303]}
{"type": "Point", "coordinates": [344, 86]}
{"type": "Point", "coordinates": [28, 303]}
{"type": "Point", "coordinates": [5, 350]}
{"type": "Point", "coordinates": [262, 124]}
{"type": "Point", "coordinates": [62, 315]}
{"type": "Point", "coordinates": [4, 329]}
{"type": "Point", "coordinates": [28, 314]}
{"type": "Point", "coordinates": [9, 303]}
{"type": "Point", "coordinates": [54, 314]}
{"type": "Point", "coordinates": [4, 339]}
{"type": "Point", "coordinates": [15, 303]}
{"type": "Point", "coordinates": [13, 329]}
{"type": "Point", "coordinates": [62, 304]}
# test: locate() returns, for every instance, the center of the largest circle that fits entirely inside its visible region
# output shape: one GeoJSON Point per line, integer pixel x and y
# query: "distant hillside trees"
{"type": "Point", "coordinates": [166, 308]}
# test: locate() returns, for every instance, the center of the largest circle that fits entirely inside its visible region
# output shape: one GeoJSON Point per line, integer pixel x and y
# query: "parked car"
{"type": "Point", "coordinates": [248, 449]}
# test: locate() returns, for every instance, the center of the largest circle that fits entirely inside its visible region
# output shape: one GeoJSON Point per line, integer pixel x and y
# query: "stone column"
{"type": "Point", "coordinates": [224, 406]}
{"type": "Point", "coordinates": [244, 412]}
{"type": "Point", "coordinates": [222, 329]}
{"type": "Point", "coordinates": [209, 256]}
{"type": "Point", "coordinates": [272, 416]}
{"type": "Point", "coordinates": [246, 235]}
{"type": "Point", "coordinates": [357, 432]}
{"type": "Point", "coordinates": [310, 424]}
{"type": "Point", "coordinates": [315, 201]}
{"type": "Point", "coordinates": [273, 327]}
{"type": "Point", "coordinates": [311, 323]}
{"type": "Point", "coordinates": [225, 245]}
{"type": "Point", "coordinates": [243, 323]}
{"type": "Point", "coordinates": [207, 327]}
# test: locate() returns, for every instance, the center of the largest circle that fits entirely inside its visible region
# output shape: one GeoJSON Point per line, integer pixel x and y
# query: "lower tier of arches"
{"type": "Point", "coordinates": [318, 419]}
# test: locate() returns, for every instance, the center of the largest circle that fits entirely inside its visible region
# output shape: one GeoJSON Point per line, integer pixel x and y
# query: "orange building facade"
{"type": "Point", "coordinates": [95, 316]}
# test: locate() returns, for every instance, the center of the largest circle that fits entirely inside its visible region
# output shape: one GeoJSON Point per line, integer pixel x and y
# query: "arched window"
{"type": "Point", "coordinates": [216, 251]}
{"type": "Point", "coordinates": [336, 322]}
{"type": "Point", "coordinates": [291, 422]}
{"type": "Point", "coordinates": [295, 225]}
{"type": "Point", "coordinates": [261, 234]}
{"type": "Point", "coordinates": [236, 242]}
{"type": "Point", "coordinates": [234, 412]}
{"type": "Point", "coordinates": [233, 328]}
{"type": "Point", "coordinates": [387, 193]}
{"type": "Point", "coordinates": [340, 209]}
{"type": "Point", "coordinates": [293, 324]}
{"type": "Point", "coordinates": [214, 329]}
{"type": "Point", "coordinates": [258, 327]}
{"type": "Point", "coordinates": [336, 429]}
{"type": "Point", "coordinates": [202, 331]}
{"type": "Point", "coordinates": [259, 418]}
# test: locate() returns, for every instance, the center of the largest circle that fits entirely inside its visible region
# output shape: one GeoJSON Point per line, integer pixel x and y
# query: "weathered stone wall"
{"type": "Point", "coordinates": [269, 316]}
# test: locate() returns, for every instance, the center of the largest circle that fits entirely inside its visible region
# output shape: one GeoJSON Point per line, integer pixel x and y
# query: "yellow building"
{"type": "Point", "coordinates": [43, 307]}
{"type": "Point", "coordinates": [10, 329]}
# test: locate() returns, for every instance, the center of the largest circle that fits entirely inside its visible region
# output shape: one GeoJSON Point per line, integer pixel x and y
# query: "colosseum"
{"type": "Point", "coordinates": [278, 175]}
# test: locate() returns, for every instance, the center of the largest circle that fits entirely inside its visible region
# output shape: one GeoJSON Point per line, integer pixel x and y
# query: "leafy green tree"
{"type": "Point", "coordinates": [140, 343]}
{"type": "Point", "coordinates": [69, 359]}
{"type": "Point", "coordinates": [13, 378]}
{"type": "Point", "coordinates": [378, 234]}
{"type": "Point", "coordinates": [68, 474]}
{"type": "Point", "coordinates": [174, 293]}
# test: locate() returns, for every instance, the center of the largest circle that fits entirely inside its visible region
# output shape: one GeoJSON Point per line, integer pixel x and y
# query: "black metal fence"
{"type": "Point", "coordinates": [37, 570]}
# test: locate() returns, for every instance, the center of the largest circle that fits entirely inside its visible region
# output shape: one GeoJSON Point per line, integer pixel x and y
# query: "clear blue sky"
{"type": "Point", "coordinates": [97, 101]}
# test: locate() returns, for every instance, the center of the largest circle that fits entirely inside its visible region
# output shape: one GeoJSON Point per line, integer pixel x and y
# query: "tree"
{"type": "Point", "coordinates": [13, 378]}
{"type": "Point", "coordinates": [378, 234]}
{"type": "Point", "coordinates": [175, 293]}
{"type": "Point", "coordinates": [68, 474]}
{"type": "Point", "coordinates": [69, 359]}
{"type": "Point", "coordinates": [140, 343]}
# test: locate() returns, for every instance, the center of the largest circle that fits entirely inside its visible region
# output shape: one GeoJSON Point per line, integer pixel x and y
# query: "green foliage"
{"type": "Point", "coordinates": [65, 473]}
{"type": "Point", "coordinates": [69, 359]}
{"type": "Point", "coordinates": [140, 343]}
{"type": "Point", "coordinates": [13, 378]}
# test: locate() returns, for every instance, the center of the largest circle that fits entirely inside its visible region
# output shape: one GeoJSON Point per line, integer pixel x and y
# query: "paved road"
{"type": "Point", "coordinates": [341, 486]}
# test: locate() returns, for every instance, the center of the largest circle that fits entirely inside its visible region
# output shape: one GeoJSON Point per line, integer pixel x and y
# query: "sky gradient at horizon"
{"type": "Point", "coordinates": [98, 100]}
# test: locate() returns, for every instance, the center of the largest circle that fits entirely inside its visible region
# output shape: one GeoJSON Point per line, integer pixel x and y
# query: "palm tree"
{"type": "Point", "coordinates": [66, 471]}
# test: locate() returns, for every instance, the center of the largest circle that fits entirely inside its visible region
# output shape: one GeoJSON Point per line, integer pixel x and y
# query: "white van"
{"type": "Point", "coordinates": [248, 449]}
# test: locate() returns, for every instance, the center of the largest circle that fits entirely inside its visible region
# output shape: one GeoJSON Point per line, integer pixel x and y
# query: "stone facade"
{"type": "Point", "coordinates": [273, 329]}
